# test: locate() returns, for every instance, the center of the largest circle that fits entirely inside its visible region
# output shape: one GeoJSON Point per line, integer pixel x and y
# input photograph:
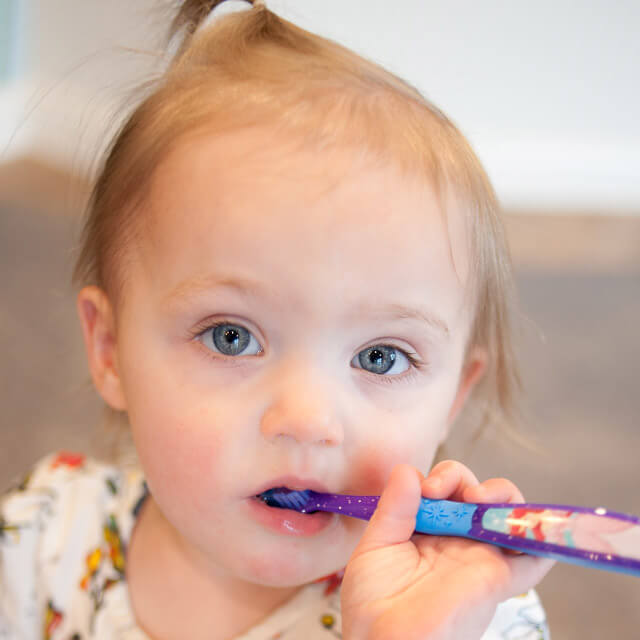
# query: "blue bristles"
{"type": "Point", "coordinates": [285, 498]}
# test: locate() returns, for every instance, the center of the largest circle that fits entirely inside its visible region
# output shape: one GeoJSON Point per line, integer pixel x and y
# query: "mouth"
{"type": "Point", "coordinates": [285, 498]}
{"type": "Point", "coordinates": [288, 492]}
{"type": "Point", "coordinates": [279, 505]}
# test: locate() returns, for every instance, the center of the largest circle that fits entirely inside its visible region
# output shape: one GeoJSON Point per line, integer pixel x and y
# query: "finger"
{"type": "Point", "coordinates": [448, 479]}
{"type": "Point", "coordinates": [526, 572]}
{"type": "Point", "coordinates": [494, 490]}
{"type": "Point", "coordinates": [394, 520]}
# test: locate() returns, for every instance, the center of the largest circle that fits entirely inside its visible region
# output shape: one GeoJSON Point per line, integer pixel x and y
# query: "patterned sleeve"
{"type": "Point", "coordinates": [24, 512]}
{"type": "Point", "coordinates": [62, 551]}
{"type": "Point", "coordinates": [521, 618]}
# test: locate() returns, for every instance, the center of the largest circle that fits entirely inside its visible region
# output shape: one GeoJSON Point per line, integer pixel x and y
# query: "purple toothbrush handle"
{"type": "Point", "coordinates": [355, 506]}
{"type": "Point", "coordinates": [579, 535]}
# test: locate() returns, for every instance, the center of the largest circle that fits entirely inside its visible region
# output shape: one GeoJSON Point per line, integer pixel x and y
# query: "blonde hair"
{"type": "Point", "coordinates": [253, 68]}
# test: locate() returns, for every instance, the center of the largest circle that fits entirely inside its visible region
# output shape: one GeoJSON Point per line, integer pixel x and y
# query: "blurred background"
{"type": "Point", "coordinates": [549, 96]}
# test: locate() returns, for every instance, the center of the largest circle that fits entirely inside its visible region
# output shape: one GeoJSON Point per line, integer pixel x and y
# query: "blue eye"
{"type": "Point", "coordinates": [382, 359]}
{"type": "Point", "coordinates": [230, 340]}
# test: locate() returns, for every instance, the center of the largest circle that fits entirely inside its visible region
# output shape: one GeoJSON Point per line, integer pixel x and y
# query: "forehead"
{"type": "Point", "coordinates": [252, 204]}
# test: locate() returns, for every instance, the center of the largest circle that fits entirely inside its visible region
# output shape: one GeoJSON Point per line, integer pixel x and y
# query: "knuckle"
{"type": "Point", "coordinates": [507, 486]}
{"type": "Point", "coordinates": [450, 466]}
{"type": "Point", "coordinates": [503, 482]}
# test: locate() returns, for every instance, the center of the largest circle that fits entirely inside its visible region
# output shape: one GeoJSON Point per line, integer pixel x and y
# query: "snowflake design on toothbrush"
{"type": "Point", "coordinates": [458, 512]}
{"type": "Point", "coordinates": [437, 513]}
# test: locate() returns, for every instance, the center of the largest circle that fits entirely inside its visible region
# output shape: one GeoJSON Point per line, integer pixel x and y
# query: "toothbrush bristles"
{"type": "Point", "coordinates": [285, 498]}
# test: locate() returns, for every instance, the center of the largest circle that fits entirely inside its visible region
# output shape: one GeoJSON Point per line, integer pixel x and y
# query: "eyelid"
{"type": "Point", "coordinates": [393, 343]}
{"type": "Point", "coordinates": [213, 322]}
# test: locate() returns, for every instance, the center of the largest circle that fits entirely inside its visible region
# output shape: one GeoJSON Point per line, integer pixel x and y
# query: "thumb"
{"type": "Point", "coordinates": [394, 519]}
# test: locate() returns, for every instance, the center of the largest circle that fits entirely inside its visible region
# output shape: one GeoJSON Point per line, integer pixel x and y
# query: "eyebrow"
{"type": "Point", "coordinates": [185, 291]}
{"type": "Point", "coordinates": [403, 312]}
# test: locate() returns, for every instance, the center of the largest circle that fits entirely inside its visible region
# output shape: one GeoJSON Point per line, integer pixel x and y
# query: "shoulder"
{"type": "Point", "coordinates": [521, 618]}
{"type": "Point", "coordinates": [66, 477]}
{"type": "Point", "coordinates": [36, 500]}
{"type": "Point", "coordinates": [56, 484]}
{"type": "Point", "coordinates": [50, 523]}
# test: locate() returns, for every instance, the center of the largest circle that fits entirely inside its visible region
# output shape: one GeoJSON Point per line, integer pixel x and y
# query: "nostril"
{"type": "Point", "coordinates": [302, 420]}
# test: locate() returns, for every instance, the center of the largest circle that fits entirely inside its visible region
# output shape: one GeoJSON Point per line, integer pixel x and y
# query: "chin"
{"type": "Point", "coordinates": [291, 568]}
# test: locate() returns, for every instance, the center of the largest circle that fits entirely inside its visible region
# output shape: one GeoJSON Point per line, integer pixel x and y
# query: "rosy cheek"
{"type": "Point", "coordinates": [370, 469]}
{"type": "Point", "coordinates": [368, 473]}
{"type": "Point", "coordinates": [179, 452]}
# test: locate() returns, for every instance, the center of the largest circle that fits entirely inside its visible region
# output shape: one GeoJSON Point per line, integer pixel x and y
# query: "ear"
{"type": "Point", "coordinates": [98, 328]}
{"type": "Point", "coordinates": [473, 370]}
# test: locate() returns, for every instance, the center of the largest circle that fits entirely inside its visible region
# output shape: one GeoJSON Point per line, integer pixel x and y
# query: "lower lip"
{"type": "Point", "coordinates": [287, 521]}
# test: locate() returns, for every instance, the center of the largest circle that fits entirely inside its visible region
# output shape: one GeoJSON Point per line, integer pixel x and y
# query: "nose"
{"type": "Point", "coordinates": [303, 409]}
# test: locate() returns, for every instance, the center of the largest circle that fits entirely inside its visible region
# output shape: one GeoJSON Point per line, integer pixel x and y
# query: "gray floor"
{"type": "Point", "coordinates": [581, 364]}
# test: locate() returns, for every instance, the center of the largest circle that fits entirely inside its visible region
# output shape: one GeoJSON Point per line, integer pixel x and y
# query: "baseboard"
{"type": "Point", "coordinates": [539, 172]}
{"type": "Point", "coordinates": [551, 241]}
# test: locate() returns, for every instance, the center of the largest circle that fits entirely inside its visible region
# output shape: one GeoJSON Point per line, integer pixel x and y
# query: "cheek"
{"type": "Point", "coordinates": [176, 452]}
{"type": "Point", "coordinates": [172, 425]}
{"type": "Point", "coordinates": [184, 445]}
{"type": "Point", "coordinates": [180, 438]}
{"type": "Point", "coordinates": [409, 436]}
{"type": "Point", "coordinates": [371, 467]}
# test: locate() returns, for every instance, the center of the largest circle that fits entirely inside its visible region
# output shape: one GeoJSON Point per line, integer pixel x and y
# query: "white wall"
{"type": "Point", "coordinates": [547, 92]}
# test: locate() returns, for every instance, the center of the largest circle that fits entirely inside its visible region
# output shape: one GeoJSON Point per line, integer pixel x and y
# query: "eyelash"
{"type": "Point", "coordinates": [206, 325]}
{"type": "Point", "coordinates": [415, 363]}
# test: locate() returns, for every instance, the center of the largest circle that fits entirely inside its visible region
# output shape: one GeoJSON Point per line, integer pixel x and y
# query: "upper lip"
{"type": "Point", "coordinates": [294, 483]}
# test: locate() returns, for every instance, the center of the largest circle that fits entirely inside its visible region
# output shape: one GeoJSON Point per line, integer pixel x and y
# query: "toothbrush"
{"type": "Point", "coordinates": [595, 538]}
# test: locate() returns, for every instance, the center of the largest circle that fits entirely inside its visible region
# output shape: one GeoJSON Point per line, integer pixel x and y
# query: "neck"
{"type": "Point", "coordinates": [173, 595]}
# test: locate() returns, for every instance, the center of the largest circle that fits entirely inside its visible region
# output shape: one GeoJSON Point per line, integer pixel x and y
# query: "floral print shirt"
{"type": "Point", "coordinates": [64, 531]}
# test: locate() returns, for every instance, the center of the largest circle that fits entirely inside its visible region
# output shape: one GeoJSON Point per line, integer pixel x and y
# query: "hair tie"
{"type": "Point", "coordinates": [229, 6]}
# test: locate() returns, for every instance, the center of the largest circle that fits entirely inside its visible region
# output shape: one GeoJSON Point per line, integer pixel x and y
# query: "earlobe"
{"type": "Point", "coordinates": [98, 329]}
{"type": "Point", "coordinates": [473, 371]}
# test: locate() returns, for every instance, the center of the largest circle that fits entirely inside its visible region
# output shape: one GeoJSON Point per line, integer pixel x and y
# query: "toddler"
{"type": "Point", "coordinates": [294, 275]}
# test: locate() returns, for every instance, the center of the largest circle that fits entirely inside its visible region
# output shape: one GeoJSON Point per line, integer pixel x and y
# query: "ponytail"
{"type": "Point", "coordinates": [192, 14]}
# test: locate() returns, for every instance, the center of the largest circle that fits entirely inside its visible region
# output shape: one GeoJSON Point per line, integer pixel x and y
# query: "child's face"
{"type": "Point", "coordinates": [309, 260]}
